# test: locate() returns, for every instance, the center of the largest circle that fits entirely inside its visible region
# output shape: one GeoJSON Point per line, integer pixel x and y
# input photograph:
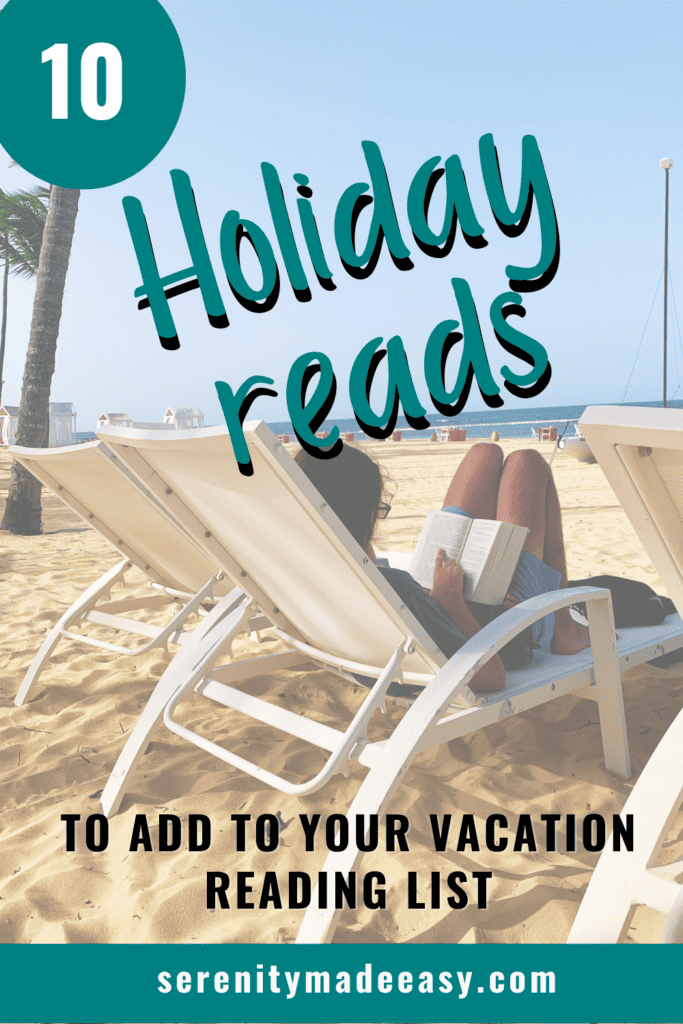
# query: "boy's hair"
{"type": "Point", "coordinates": [351, 483]}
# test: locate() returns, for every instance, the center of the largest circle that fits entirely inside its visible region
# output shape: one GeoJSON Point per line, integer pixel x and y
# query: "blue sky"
{"type": "Point", "coordinates": [301, 85]}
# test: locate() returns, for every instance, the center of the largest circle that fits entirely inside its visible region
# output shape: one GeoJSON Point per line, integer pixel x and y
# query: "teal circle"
{"type": "Point", "coordinates": [80, 152]}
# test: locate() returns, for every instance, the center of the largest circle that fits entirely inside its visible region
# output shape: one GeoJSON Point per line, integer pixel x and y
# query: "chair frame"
{"type": "Point", "coordinates": [445, 709]}
{"type": "Point", "coordinates": [94, 604]}
{"type": "Point", "coordinates": [626, 879]}
{"type": "Point", "coordinates": [431, 720]}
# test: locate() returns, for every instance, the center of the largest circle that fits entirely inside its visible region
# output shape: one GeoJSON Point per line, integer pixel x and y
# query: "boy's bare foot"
{"type": "Point", "coordinates": [570, 637]}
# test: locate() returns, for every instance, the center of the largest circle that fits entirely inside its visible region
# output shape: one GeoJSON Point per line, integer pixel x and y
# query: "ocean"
{"type": "Point", "coordinates": [509, 423]}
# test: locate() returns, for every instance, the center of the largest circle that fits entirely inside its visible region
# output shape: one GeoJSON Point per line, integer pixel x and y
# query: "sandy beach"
{"type": "Point", "coordinates": [58, 750]}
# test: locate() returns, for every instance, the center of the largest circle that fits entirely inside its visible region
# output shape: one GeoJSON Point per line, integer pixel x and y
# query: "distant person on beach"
{"type": "Point", "coordinates": [520, 490]}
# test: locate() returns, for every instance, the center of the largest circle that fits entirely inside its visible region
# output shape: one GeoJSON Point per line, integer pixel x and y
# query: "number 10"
{"type": "Point", "coordinates": [59, 56]}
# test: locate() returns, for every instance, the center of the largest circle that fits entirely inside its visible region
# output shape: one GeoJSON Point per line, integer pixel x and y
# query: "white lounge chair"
{"type": "Point", "coordinates": [92, 481]}
{"type": "Point", "coordinates": [276, 538]}
{"type": "Point", "coordinates": [640, 451]}
{"type": "Point", "coordinates": [624, 880]}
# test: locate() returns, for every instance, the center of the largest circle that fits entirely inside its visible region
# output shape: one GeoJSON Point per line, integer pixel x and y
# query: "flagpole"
{"type": "Point", "coordinates": [667, 163]}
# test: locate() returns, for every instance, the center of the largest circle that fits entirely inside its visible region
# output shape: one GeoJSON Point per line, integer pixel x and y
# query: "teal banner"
{"type": "Point", "coordinates": [157, 983]}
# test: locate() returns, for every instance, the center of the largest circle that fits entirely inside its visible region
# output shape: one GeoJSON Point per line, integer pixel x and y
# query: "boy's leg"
{"type": "Point", "coordinates": [570, 636]}
{"type": "Point", "coordinates": [522, 497]}
{"type": "Point", "coordinates": [474, 486]}
{"type": "Point", "coordinates": [528, 497]}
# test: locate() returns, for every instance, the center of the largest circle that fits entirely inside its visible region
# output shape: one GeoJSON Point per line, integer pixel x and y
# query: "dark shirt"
{"type": "Point", "coordinates": [428, 613]}
{"type": "Point", "coordinates": [426, 610]}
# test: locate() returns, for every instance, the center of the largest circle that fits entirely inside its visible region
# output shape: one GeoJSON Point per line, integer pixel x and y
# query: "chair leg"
{"type": "Point", "coordinates": [379, 786]}
{"type": "Point", "coordinates": [87, 599]}
{"type": "Point", "coordinates": [609, 694]}
{"type": "Point", "coordinates": [207, 642]}
{"type": "Point", "coordinates": [376, 791]}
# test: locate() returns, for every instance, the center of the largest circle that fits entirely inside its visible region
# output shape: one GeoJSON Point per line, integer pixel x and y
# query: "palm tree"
{"type": "Point", "coordinates": [23, 511]}
{"type": "Point", "coordinates": [22, 220]}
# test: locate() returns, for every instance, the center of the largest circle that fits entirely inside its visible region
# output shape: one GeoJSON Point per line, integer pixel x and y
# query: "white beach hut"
{"type": "Point", "coordinates": [62, 424]}
{"type": "Point", "coordinates": [114, 419]}
{"type": "Point", "coordinates": [184, 417]}
{"type": "Point", "coordinates": [123, 419]}
{"type": "Point", "coordinates": [175, 418]}
{"type": "Point", "coordinates": [9, 414]}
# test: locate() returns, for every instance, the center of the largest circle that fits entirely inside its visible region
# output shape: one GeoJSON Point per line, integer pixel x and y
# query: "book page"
{"type": "Point", "coordinates": [480, 540]}
{"type": "Point", "coordinates": [441, 530]}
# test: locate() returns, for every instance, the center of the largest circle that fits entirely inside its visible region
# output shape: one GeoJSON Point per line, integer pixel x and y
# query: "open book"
{"type": "Point", "coordinates": [487, 550]}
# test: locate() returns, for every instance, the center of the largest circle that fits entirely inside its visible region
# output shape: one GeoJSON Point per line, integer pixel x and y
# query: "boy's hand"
{"type": "Point", "coordinates": [448, 578]}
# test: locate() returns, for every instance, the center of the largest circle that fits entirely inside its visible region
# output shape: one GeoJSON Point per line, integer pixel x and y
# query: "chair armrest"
{"type": "Point", "coordinates": [419, 729]}
{"type": "Point", "coordinates": [451, 683]}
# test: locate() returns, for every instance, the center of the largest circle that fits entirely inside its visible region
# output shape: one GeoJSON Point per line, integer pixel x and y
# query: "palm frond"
{"type": "Point", "coordinates": [22, 221]}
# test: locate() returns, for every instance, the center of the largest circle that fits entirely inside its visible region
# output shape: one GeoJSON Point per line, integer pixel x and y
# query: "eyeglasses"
{"type": "Point", "coordinates": [383, 510]}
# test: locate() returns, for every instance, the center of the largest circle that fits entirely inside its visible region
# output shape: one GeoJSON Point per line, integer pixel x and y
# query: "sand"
{"type": "Point", "coordinates": [58, 750]}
